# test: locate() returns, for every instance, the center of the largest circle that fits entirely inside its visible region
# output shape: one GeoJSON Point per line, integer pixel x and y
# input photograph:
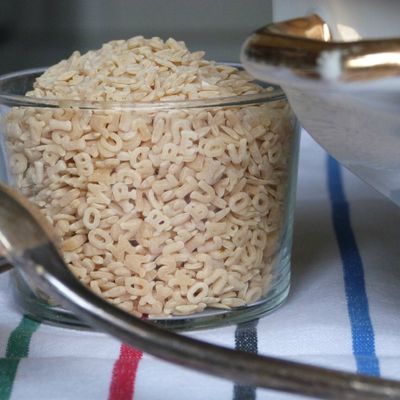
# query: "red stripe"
{"type": "Point", "coordinates": [122, 385]}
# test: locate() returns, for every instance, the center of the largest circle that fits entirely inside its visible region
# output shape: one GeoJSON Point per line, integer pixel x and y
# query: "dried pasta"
{"type": "Point", "coordinates": [162, 211]}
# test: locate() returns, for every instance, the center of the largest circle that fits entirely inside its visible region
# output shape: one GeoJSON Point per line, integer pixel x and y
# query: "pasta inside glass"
{"type": "Point", "coordinates": [177, 211]}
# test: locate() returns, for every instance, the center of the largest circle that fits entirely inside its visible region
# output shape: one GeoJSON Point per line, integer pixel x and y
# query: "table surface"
{"type": "Point", "coordinates": [342, 311]}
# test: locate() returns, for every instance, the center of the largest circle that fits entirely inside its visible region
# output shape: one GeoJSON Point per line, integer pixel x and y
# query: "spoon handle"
{"type": "Point", "coordinates": [4, 265]}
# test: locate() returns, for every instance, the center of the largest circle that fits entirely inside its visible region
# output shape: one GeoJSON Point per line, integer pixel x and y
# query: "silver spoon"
{"type": "Point", "coordinates": [27, 241]}
{"type": "Point", "coordinates": [4, 265]}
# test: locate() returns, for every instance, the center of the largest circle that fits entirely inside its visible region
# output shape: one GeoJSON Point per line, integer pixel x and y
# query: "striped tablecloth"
{"type": "Point", "coordinates": [343, 310]}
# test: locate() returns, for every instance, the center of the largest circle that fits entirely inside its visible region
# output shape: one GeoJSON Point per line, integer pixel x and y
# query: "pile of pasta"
{"type": "Point", "coordinates": [160, 210]}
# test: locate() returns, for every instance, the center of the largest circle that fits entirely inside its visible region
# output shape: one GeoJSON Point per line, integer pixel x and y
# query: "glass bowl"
{"type": "Point", "coordinates": [179, 211]}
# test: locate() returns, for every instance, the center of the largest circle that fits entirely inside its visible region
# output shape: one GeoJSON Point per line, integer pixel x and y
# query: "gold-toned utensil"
{"type": "Point", "coordinates": [304, 47]}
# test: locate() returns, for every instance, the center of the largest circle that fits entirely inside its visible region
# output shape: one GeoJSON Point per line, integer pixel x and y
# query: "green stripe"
{"type": "Point", "coordinates": [17, 348]}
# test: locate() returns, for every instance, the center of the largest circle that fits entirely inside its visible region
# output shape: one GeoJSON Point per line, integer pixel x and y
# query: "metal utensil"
{"type": "Point", "coordinates": [4, 265]}
{"type": "Point", "coordinates": [27, 241]}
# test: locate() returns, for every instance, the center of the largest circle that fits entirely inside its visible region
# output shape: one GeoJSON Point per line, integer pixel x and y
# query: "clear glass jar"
{"type": "Point", "coordinates": [181, 212]}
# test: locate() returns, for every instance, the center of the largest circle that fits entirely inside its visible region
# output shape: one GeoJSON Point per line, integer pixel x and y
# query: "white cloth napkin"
{"type": "Point", "coordinates": [342, 311]}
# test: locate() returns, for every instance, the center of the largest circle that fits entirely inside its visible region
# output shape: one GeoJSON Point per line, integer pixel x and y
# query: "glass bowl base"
{"type": "Point", "coordinates": [39, 309]}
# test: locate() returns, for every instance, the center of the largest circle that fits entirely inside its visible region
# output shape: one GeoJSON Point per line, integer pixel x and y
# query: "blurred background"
{"type": "Point", "coordinates": [35, 33]}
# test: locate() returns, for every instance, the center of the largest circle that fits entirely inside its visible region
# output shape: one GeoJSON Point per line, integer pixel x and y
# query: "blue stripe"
{"type": "Point", "coordinates": [357, 301]}
{"type": "Point", "coordinates": [246, 340]}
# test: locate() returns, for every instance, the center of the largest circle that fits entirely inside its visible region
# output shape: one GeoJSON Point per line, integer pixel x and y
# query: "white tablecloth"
{"type": "Point", "coordinates": [342, 311]}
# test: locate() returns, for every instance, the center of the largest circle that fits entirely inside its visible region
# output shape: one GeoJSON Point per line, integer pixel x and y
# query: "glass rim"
{"type": "Point", "coordinates": [16, 100]}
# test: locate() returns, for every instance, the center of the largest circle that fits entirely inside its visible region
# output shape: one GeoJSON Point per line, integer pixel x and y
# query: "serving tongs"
{"type": "Point", "coordinates": [28, 243]}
